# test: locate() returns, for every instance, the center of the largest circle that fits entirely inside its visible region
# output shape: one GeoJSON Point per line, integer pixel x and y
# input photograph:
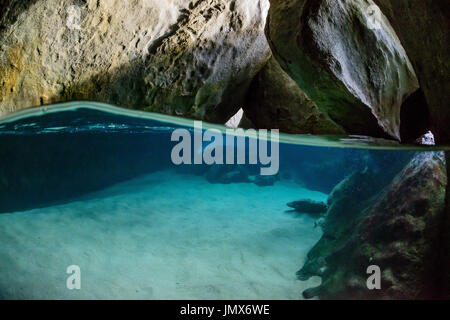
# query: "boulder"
{"type": "Point", "coordinates": [274, 100]}
{"type": "Point", "coordinates": [187, 58]}
{"type": "Point", "coordinates": [347, 202]}
{"type": "Point", "coordinates": [423, 28]}
{"type": "Point", "coordinates": [353, 68]}
{"type": "Point", "coordinates": [397, 228]}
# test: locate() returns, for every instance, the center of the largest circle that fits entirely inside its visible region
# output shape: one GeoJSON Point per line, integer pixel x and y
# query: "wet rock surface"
{"type": "Point", "coordinates": [396, 227]}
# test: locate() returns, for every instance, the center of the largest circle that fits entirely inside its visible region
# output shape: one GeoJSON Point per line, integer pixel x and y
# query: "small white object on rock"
{"type": "Point", "coordinates": [427, 139]}
{"type": "Point", "coordinates": [235, 120]}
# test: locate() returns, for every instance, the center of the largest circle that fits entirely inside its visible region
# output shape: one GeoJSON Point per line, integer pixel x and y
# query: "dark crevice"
{"type": "Point", "coordinates": [414, 117]}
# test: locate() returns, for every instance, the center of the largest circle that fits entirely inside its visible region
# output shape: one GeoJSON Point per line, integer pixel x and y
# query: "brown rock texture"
{"type": "Point", "coordinates": [187, 58]}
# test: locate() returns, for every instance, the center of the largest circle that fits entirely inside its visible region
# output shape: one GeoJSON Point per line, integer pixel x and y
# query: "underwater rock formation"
{"type": "Point", "coordinates": [445, 238]}
{"type": "Point", "coordinates": [187, 58]}
{"type": "Point", "coordinates": [423, 28]}
{"type": "Point", "coordinates": [274, 100]}
{"type": "Point", "coordinates": [264, 181]}
{"type": "Point", "coordinates": [359, 74]}
{"type": "Point", "coordinates": [397, 228]}
{"type": "Point", "coordinates": [227, 174]}
{"type": "Point", "coordinates": [308, 206]}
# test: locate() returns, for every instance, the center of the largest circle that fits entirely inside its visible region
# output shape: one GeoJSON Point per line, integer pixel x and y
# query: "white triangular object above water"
{"type": "Point", "coordinates": [235, 120]}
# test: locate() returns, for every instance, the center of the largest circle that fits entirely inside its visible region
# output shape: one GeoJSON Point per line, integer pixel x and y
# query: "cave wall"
{"type": "Point", "coordinates": [423, 27]}
{"type": "Point", "coordinates": [186, 58]}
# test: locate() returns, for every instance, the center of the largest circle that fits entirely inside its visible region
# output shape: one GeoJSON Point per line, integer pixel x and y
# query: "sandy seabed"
{"type": "Point", "coordinates": [162, 236]}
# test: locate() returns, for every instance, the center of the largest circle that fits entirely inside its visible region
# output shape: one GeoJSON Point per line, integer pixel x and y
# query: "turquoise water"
{"type": "Point", "coordinates": [94, 186]}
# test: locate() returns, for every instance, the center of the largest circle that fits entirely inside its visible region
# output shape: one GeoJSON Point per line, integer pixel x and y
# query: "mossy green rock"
{"type": "Point", "coordinates": [274, 100]}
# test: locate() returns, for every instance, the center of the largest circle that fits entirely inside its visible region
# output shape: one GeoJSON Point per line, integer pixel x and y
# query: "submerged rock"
{"type": "Point", "coordinates": [309, 206]}
{"type": "Point", "coordinates": [225, 174]}
{"type": "Point", "coordinates": [264, 181]}
{"type": "Point", "coordinates": [396, 228]}
{"type": "Point", "coordinates": [357, 73]}
{"type": "Point", "coordinates": [187, 58]}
